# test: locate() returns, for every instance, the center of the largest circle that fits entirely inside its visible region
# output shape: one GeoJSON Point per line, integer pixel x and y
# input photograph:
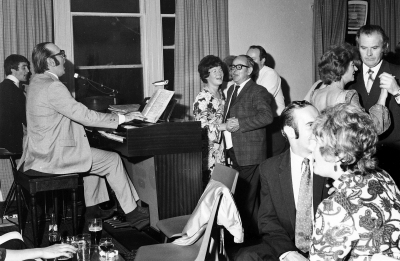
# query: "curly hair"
{"type": "Point", "coordinates": [335, 62]}
{"type": "Point", "coordinates": [208, 62]}
{"type": "Point", "coordinates": [346, 131]}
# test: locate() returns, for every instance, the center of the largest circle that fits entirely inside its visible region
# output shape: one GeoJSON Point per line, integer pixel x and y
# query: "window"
{"type": "Point", "coordinates": [168, 32]}
{"type": "Point", "coordinates": [117, 43]}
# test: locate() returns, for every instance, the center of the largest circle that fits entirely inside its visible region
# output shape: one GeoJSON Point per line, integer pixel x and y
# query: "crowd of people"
{"type": "Point", "coordinates": [317, 178]}
{"type": "Point", "coordinates": [328, 191]}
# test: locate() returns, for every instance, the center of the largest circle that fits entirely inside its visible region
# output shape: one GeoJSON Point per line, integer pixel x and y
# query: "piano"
{"type": "Point", "coordinates": [164, 163]}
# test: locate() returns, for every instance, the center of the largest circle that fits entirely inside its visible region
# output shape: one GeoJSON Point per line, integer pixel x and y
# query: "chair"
{"type": "Point", "coordinates": [172, 227]}
{"type": "Point", "coordinates": [171, 252]}
{"type": "Point", "coordinates": [11, 196]}
{"type": "Point", "coordinates": [33, 185]}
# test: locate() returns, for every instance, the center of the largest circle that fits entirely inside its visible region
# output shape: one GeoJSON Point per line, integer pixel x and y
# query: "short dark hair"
{"type": "Point", "coordinates": [370, 29]}
{"type": "Point", "coordinates": [12, 62]}
{"type": "Point", "coordinates": [208, 62]}
{"type": "Point", "coordinates": [287, 116]}
{"type": "Point", "coordinates": [250, 63]}
{"type": "Point", "coordinates": [39, 57]}
{"type": "Point", "coordinates": [263, 53]}
{"type": "Point", "coordinates": [335, 62]}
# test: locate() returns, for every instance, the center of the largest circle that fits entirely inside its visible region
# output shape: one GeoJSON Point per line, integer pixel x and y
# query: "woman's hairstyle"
{"type": "Point", "coordinates": [335, 62]}
{"type": "Point", "coordinates": [208, 62]}
{"type": "Point", "coordinates": [347, 132]}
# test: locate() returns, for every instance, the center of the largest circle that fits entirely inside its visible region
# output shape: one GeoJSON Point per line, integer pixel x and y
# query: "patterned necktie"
{"type": "Point", "coordinates": [370, 80]}
{"type": "Point", "coordinates": [233, 98]}
{"type": "Point", "coordinates": [304, 208]}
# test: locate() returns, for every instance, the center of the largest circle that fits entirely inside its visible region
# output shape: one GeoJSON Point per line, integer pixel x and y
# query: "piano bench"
{"type": "Point", "coordinates": [35, 184]}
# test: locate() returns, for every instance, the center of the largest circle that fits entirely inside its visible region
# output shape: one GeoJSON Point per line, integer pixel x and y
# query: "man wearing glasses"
{"type": "Point", "coordinates": [247, 112]}
{"type": "Point", "coordinates": [56, 141]}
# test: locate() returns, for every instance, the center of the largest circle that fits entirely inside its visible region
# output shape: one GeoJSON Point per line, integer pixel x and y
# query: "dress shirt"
{"type": "Point", "coordinates": [374, 74]}
{"type": "Point", "coordinates": [14, 79]}
{"type": "Point", "coordinates": [121, 118]}
{"type": "Point", "coordinates": [269, 78]}
{"type": "Point", "coordinates": [227, 134]}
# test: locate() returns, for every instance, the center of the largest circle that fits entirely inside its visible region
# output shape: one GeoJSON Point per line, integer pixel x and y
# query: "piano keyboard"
{"type": "Point", "coordinates": [112, 136]}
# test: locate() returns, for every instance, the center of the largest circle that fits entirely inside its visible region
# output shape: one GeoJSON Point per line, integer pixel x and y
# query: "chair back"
{"type": "Point", "coordinates": [226, 176]}
{"type": "Point", "coordinates": [205, 240]}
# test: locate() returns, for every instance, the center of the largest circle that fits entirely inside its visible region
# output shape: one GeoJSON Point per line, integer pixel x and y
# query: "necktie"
{"type": "Point", "coordinates": [233, 98]}
{"type": "Point", "coordinates": [370, 80]}
{"type": "Point", "coordinates": [304, 207]}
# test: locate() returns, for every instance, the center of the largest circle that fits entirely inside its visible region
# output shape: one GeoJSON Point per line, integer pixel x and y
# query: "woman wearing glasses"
{"type": "Point", "coordinates": [208, 108]}
{"type": "Point", "coordinates": [336, 69]}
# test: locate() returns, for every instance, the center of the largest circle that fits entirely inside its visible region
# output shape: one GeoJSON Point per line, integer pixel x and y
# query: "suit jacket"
{"type": "Point", "coordinates": [56, 142]}
{"type": "Point", "coordinates": [367, 101]}
{"type": "Point", "coordinates": [277, 212]}
{"type": "Point", "coordinates": [252, 108]}
{"type": "Point", "coordinates": [12, 116]}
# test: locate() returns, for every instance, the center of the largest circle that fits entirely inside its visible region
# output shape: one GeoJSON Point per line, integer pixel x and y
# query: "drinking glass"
{"type": "Point", "coordinates": [106, 245]}
{"type": "Point", "coordinates": [66, 240]}
{"type": "Point", "coordinates": [82, 244]}
{"type": "Point", "coordinates": [54, 238]}
{"type": "Point", "coordinates": [95, 229]}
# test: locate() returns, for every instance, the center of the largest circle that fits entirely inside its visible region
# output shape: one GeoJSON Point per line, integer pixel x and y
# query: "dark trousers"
{"type": "Point", "coordinates": [247, 194]}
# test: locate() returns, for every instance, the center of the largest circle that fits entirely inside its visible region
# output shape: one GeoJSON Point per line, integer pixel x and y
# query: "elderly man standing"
{"type": "Point", "coordinates": [247, 111]}
{"type": "Point", "coordinates": [56, 141]}
{"type": "Point", "coordinates": [12, 103]}
{"type": "Point", "coordinates": [269, 78]}
{"type": "Point", "coordinates": [375, 74]}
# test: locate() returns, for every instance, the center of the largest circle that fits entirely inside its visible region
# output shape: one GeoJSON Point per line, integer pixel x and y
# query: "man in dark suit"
{"type": "Point", "coordinates": [280, 189]}
{"type": "Point", "coordinates": [12, 103]}
{"type": "Point", "coordinates": [247, 111]}
{"type": "Point", "coordinates": [373, 75]}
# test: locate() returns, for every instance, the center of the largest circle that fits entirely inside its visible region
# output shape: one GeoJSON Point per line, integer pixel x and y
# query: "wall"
{"type": "Point", "coordinates": [284, 29]}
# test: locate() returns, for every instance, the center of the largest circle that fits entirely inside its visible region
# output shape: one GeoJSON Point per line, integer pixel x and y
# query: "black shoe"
{"type": "Point", "coordinates": [139, 214]}
{"type": "Point", "coordinates": [97, 212]}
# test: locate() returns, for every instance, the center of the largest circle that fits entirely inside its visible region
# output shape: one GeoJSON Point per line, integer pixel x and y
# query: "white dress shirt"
{"type": "Point", "coordinates": [13, 79]}
{"type": "Point", "coordinates": [374, 74]}
{"type": "Point", "coordinates": [269, 78]}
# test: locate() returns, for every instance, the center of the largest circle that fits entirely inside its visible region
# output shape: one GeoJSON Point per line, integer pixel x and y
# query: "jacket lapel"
{"type": "Point", "coordinates": [375, 89]}
{"type": "Point", "coordinates": [285, 178]}
{"type": "Point", "coordinates": [319, 191]}
{"type": "Point", "coordinates": [228, 101]}
{"type": "Point", "coordinates": [245, 88]}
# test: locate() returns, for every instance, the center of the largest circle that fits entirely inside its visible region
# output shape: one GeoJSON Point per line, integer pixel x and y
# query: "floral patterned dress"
{"type": "Point", "coordinates": [362, 218]}
{"type": "Point", "coordinates": [209, 110]}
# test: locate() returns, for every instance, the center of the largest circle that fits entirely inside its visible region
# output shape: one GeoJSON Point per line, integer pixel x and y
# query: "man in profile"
{"type": "Point", "coordinates": [374, 74]}
{"type": "Point", "coordinates": [247, 111]}
{"type": "Point", "coordinates": [56, 141]}
{"type": "Point", "coordinates": [12, 103]}
{"type": "Point", "coordinates": [269, 78]}
{"type": "Point", "coordinates": [283, 223]}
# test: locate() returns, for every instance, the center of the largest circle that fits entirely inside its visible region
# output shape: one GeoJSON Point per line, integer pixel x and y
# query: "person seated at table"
{"type": "Point", "coordinates": [336, 69]}
{"type": "Point", "coordinates": [362, 217]}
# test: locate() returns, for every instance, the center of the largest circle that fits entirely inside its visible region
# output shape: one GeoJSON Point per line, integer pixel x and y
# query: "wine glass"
{"type": "Point", "coordinates": [106, 245]}
{"type": "Point", "coordinates": [54, 238]}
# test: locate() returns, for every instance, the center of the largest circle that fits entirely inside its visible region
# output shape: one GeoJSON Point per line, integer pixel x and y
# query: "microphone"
{"type": "Point", "coordinates": [76, 76]}
{"type": "Point", "coordinates": [80, 77]}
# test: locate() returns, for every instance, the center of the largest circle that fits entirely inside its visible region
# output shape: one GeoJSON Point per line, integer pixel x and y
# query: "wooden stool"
{"type": "Point", "coordinates": [33, 185]}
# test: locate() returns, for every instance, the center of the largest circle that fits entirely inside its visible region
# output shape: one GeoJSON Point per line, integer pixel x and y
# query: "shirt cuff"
{"type": "Point", "coordinates": [282, 257]}
{"type": "Point", "coordinates": [121, 119]}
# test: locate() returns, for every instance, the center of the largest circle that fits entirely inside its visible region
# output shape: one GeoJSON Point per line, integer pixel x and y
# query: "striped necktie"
{"type": "Point", "coordinates": [370, 80]}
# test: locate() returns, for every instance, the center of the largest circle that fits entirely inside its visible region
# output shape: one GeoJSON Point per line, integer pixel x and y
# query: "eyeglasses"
{"type": "Point", "coordinates": [237, 67]}
{"type": "Point", "coordinates": [62, 53]}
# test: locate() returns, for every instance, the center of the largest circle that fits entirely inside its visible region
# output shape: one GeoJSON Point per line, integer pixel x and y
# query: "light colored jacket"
{"type": "Point", "coordinates": [56, 141]}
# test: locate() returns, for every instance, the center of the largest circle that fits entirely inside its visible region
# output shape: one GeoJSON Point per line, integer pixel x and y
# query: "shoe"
{"type": "Point", "coordinates": [97, 212]}
{"type": "Point", "coordinates": [139, 214]}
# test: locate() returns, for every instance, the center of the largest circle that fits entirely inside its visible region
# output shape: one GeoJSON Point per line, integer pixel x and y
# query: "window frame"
{"type": "Point", "coordinates": [151, 41]}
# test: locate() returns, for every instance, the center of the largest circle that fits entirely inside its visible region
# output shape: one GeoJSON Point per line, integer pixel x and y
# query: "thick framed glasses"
{"type": "Point", "coordinates": [62, 53]}
{"type": "Point", "coordinates": [237, 67]}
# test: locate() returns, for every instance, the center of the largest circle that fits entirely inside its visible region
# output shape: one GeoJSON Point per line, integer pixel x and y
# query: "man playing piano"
{"type": "Point", "coordinates": [56, 141]}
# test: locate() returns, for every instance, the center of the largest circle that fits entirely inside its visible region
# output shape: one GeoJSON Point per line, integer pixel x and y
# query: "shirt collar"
{"type": "Point", "coordinates": [244, 83]}
{"type": "Point", "coordinates": [375, 69]}
{"type": "Point", "coordinates": [52, 74]}
{"type": "Point", "coordinates": [297, 158]}
{"type": "Point", "coordinates": [13, 78]}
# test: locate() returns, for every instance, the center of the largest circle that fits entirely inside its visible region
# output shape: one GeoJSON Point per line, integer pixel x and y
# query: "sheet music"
{"type": "Point", "coordinates": [156, 105]}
